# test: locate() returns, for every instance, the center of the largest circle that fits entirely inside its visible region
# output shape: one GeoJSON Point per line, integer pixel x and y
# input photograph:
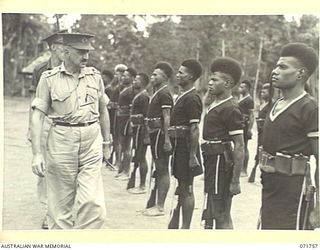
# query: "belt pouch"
{"type": "Point", "coordinates": [283, 163]}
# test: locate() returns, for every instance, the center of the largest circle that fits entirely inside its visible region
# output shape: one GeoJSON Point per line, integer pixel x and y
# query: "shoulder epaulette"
{"type": "Point", "coordinates": [92, 70]}
{"type": "Point", "coordinates": [51, 72]}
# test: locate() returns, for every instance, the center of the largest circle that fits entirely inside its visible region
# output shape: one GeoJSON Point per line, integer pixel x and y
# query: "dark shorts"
{"type": "Point", "coordinates": [156, 143]}
{"type": "Point", "coordinates": [180, 160]}
{"type": "Point", "coordinates": [139, 147]}
{"type": "Point", "coordinates": [280, 201]}
{"type": "Point", "coordinates": [122, 125]}
{"type": "Point", "coordinates": [217, 183]}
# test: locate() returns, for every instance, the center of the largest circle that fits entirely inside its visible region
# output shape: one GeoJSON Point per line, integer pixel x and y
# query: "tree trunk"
{"type": "Point", "coordinates": [255, 87]}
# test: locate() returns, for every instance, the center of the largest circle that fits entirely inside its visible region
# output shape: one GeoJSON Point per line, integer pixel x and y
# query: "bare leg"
{"type": "Point", "coordinates": [187, 204]}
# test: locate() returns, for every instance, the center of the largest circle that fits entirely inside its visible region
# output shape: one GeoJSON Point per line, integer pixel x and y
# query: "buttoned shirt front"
{"type": "Point", "coordinates": [66, 98]}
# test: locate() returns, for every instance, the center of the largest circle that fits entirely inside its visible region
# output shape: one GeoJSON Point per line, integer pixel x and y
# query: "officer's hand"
{"type": "Point", "coordinates": [315, 217]}
{"type": "Point", "coordinates": [106, 151]}
{"type": "Point", "coordinates": [167, 146]}
{"type": "Point", "coordinates": [234, 188]}
{"type": "Point", "coordinates": [38, 165]}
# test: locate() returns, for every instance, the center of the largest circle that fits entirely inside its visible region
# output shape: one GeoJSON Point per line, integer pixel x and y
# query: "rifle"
{"type": "Point", "coordinates": [132, 180]}
{"type": "Point", "coordinates": [175, 217]}
{"type": "Point", "coordinates": [153, 194]}
{"type": "Point", "coordinates": [253, 174]}
{"type": "Point", "coordinates": [308, 198]}
{"type": "Point", "coordinates": [204, 215]}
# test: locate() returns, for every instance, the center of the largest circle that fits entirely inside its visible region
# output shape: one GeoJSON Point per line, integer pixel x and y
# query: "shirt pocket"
{"type": "Point", "coordinates": [91, 99]}
{"type": "Point", "coordinates": [61, 101]}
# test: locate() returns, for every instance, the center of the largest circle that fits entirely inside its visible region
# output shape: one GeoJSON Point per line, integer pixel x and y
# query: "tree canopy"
{"type": "Point", "coordinates": [118, 40]}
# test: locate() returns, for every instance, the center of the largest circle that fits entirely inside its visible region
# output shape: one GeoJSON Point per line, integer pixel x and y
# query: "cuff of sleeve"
{"type": "Point", "coordinates": [166, 106]}
{"type": "Point", "coordinates": [40, 104]}
{"type": "Point", "coordinates": [194, 121]}
{"type": "Point", "coordinates": [236, 132]}
{"type": "Point", "coordinates": [313, 134]}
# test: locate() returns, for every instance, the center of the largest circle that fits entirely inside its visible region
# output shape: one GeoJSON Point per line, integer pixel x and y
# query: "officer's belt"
{"type": "Point", "coordinates": [179, 131]}
{"type": "Point", "coordinates": [154, 123]}
{"type": "Point", "coordinates": [281, 163]}
{"type": "Point", "coordinates": [137, 119]}
{"type": "Point", "coordinates": [123, 111]}
{"type": "Point", "coordinates": [67, 124]}
{"type": "Point", "coordinates": [215, 147]}
{"type": "Point", "coordinates": [112, 105]}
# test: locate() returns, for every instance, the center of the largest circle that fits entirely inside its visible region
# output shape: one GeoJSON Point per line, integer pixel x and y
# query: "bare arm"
{"type": "Point", "coordinates": [166, 124]}
{"type": "Point", "coordinates": [251, 119]}
{"type": "Point", "coordinates": [104, 121]}
{"type": "Point", "coordinates": [238, 154]}
{"type": "Point", "coordinates": [194, 139]}
{"type": "Point", "coordinates": [36, 124]}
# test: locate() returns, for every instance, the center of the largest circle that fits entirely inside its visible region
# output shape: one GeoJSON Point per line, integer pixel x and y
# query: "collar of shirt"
{"type": "Point", "coordinates": [83, 71]}
{"type": "Point", "coordinates": [241, 99]}
{"type": "Point", "coordinates": [125, 89]}
{"type": "Point", "coordinates": [184, 93]}
{"type": "Point", "coordinates": [139, 94]}
{"type": "Point", "coordinates": [274, 116]}
{"type": "Point", "coordinates": [214, 105]}
{"type": "Point", "coordinates": [155, 93]}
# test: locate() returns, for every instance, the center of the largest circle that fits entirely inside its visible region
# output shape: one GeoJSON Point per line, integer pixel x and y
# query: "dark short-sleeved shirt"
{"type": "Point", "coordinates": [222, 121]}
{"type": "Point", "coordinates": [140, 103]}
{"type": "Point", "coordinates": [38, 70]}
{"type": "Point", "coordinates": [126, 96]}
{"type": "Point", "coordinates": [161, 99]}
{"type": "Point", "coordinates": [66, 98]}
{"type": "Point", "coordinates": [246, 104]}
{"type": "Point", "coordinates": [187, 109]}
{"type": "Point", "coordinates": [290, 129]}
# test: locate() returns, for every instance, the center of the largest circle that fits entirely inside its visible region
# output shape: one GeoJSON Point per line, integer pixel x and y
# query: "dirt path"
{"type": "Point", "coordinates": [22, 211]}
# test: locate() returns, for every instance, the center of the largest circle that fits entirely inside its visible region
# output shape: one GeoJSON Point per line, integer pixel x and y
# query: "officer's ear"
{"type": "Point", "coordinates": [228, 83]}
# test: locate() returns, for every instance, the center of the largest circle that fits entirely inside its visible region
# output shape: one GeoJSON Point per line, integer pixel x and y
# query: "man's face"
{"type": "Point", "coordinates": [217, 83]}
{"type": "Point", "coordinates": [183, 76]}
{"type": "Point", "coordinates": [78, 57]}
{"type": "Point", "coordinates": [137, 82]}
{"type": "Point", "coordinates": [243, 88]}
{"type": "Point", "coordinates": [264, 94]}
{"type": "Point", "coordinates": [58, 50]}
{"type": "Point", "coordinates": [158, 77]}
{"type": "Point", "coordinates": [126, 78]}
{"type": "Point", "coordinates": [285, 74]}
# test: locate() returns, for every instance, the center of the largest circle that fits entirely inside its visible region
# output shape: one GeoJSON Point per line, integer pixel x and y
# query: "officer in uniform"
{"type": "Point", "coordinates": [54, 42]}
{"type": "Point", "coordinates": [158, 121]}
{"type": "Point", "coordinates": [113, 92]}
{"type": "Point", "coordinates": [290, 136]}
{"type": "Point", "coordinates": [123, 128]}
{"type": "Point", "coordinates": [184, 134]}
{"type": "Point", "coordinates": [246, 106]}
{"type": "Point", "coordinates": [138, 113]}
{"type": "Point", "coordinates": [222, 145]}
{"type": "Point", "coordinates": [72, 96]}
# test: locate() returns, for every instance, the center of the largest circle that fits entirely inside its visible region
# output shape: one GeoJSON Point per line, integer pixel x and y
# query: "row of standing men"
{"type": "Point", "coordinates": [171, 127]}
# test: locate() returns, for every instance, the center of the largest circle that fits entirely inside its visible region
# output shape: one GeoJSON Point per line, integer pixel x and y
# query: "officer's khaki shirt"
{"type": "Point", "coordinates": [66, 98]}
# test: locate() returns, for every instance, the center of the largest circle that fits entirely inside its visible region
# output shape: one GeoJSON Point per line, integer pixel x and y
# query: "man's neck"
{"type": "Point", "coordinates": [223, 96]}
{"type": "Point", "coordinates": [54, 61]}
{"type": "Point", "coordinates": [244, 95]}
{"type": "Point", "coordinates": [71, 68]}
{"type": "Point", "coordinates": [161, 85]}
{"type": "Point", "coordinates": [187, 87]}
{"type": "Point", "coordinates": [292, 93]}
